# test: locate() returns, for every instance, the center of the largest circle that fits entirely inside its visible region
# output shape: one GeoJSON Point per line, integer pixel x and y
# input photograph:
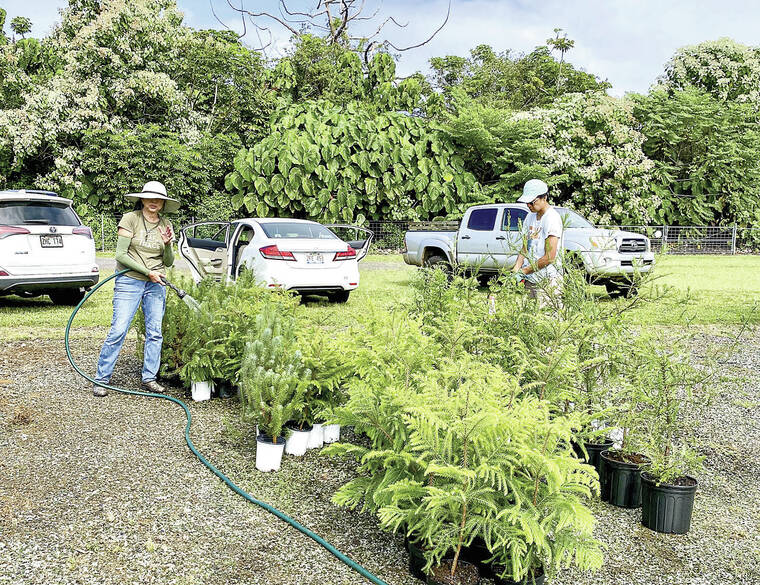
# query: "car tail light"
{"type": "Point", "coordinates": [274, 253]}
{"type": "Point", "coordinates": [347, 255]}
{"type": "Point", "coordinates": [3, 272]}
{"type": "Point", "coordinates": [82, 230]}
{"type": "Point", "coordinates": [10, 230]}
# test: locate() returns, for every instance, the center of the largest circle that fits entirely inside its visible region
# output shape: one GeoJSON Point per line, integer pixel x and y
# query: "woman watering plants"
{"type": "Point", "coordinates": [144, 248]}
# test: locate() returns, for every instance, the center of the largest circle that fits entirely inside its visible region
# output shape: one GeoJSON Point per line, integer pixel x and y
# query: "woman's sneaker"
{"type": "Point", "coordinates": [99, 390]}
{"type": "Point", "coordinates": [154, 386]}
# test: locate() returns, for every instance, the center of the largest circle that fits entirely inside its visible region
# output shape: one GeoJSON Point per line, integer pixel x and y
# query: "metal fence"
{"type": "Point", "coordinates": [698, 239]}
{"type": "Point", "coordinates": [389, 235]}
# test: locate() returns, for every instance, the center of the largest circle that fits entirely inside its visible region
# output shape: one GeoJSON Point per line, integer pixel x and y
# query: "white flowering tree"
{"type": "Point", "coordinates": [724, 68]}
{"type": "Point", "coordinates": [113, 69]}
{"type": "Point", "coordinates": [594, 159]}
{"type": "Point", "coordinates": [127, 67]}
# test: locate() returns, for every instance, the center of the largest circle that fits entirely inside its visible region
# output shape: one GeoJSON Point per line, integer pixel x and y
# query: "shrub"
{"type": "Point", "coordinates": [327, 358]}
{"type": "Point", "coordinates": [229, 312]}
{"type": "Point", "coordinates": [666, 386]}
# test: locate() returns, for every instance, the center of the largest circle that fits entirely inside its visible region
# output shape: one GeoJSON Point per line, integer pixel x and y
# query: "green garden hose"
{"type": "Point", "coordinates": [282, 516]}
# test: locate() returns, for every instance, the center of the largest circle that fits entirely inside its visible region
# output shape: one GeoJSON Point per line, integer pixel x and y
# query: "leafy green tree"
{"type": "Point", "coordinates": [118, 162]}
{"type": "Point", "coordinates": [115, 73]}
{"type": "Point", "coordinates": [706, 153]}
{"type": "Point", "coordinates": [316, 69]}
{"type": "Point", "coordinates": [727, 70]}
{"type": "Point", "coordinates": [225, 82]}
{"type": "Point", "coordinates": [501, 150]}
{"type": "Point", "coordinates": [21, 25]}
{"type": "Point", "coordinates": [349, 164]}
{"type": "Point", "coordinates": [511, 80]}
{"type": "Point", "coordinates": [23, 63]}
{"type": "Point", "coordinates": [3, 16]}
{"type": "Point", "coordinates": [563, 45]}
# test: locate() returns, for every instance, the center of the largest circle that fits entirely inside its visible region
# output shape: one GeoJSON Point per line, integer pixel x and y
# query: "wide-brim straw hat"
{"type": "Point", "coordinates": [156, 190]}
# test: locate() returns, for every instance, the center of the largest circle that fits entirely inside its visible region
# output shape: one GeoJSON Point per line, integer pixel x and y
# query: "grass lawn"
{"type": "Point", "coordinates": [719, 290]}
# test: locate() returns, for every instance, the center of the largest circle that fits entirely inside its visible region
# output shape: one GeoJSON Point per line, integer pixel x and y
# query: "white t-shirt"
{"type": "Point", "coordinates": [536, 231]}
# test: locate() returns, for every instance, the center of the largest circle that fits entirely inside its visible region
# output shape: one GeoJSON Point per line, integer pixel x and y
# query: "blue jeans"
{"type": "Point", "coordinates": [128, 293]}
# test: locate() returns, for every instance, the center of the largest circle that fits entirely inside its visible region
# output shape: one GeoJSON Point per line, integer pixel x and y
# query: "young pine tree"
{"type": "Point", "coordinates": [273, 377]}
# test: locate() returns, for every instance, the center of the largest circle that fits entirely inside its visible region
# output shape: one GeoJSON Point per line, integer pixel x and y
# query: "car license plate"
{"type": "Point", "coordinates": [315, 258]}
{"type": "Point", "coordinates": [51, 241]}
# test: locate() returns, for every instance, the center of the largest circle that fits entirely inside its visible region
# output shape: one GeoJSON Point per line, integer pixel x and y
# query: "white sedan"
{"type": "Point", "coordinates": [290, 254]}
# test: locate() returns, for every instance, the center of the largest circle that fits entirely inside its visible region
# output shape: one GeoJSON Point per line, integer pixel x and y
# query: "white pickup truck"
{"type": "Point", "coordinates": [489, 238]}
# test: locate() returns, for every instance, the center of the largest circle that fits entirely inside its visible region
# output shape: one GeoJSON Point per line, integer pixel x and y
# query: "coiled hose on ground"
{"type": "Point", "coordinates": [282, 516]}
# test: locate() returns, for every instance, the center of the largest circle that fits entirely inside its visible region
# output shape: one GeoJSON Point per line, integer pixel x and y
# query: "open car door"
{"type": "Point", "coordinates": [204, 246]}
{"type": "Point", "coordinates": [358, 238]}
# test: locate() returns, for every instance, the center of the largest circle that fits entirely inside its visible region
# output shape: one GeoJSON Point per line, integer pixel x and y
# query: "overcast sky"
{"type": "Point", "coordinates": [624, 41]}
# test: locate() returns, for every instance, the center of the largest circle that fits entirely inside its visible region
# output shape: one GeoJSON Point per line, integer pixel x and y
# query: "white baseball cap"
{"type": "Point", "coordinates": [532, 189]}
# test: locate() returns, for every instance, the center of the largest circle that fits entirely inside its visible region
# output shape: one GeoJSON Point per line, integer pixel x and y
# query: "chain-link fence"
{"type": "Point", "coordinates": [389, 235]}
{"type": "Point", "coordinates": [698, 239]}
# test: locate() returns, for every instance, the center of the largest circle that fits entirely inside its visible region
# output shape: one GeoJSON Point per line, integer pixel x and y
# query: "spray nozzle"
{"type": "Point", "coordinates": [180, 293]}
{"type": "Point", "coordinates": [186, 298]}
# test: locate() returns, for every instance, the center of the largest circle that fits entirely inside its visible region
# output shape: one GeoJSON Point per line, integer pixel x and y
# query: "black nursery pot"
{"type": "Point", "coordinates": [416, 560]}
{"type": "Point", "coordinates": [667, 508]}
{"type": "Point", "coordinates": [594, 451]}
{"type": "Point", "coordinates": [477, 553]}
{"type": "Point", "coordinates": [531, 579]}
{"type": "Point", "coordinates": [620, 482]}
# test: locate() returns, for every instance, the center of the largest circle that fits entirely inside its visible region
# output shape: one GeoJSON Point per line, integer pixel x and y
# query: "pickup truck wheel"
{"type": "Point", "coordinates": [575, 261]}
{"type": "Point", "coordinates": [438, 261]}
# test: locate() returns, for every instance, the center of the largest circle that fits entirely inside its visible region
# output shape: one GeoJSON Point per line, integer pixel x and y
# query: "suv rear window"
{"type": "Point", "coordinates": [287, 229]}
{"type": "Point", "coordinates": [36, 212]}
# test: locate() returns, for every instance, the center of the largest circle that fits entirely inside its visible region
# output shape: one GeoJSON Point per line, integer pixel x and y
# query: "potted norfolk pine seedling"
{"type": "Point", "coordinates": [272, 385]}
{"type": "Point", "coordinates": [669, 385]}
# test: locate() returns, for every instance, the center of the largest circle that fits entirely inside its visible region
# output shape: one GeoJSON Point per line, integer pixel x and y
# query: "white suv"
{"type": "Point", "coordinates": [44, 248]}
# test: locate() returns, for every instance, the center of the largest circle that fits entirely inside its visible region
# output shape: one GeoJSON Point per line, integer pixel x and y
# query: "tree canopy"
{"type": "Point", "coordinates": [122, 91]}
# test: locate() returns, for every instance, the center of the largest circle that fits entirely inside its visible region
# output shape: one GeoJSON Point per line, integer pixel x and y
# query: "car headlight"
{"type": "Point", "coordinates": [603, 243]}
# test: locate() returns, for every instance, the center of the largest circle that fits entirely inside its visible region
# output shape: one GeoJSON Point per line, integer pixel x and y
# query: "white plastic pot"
{"type": "Point", "coordinates": [331, 433]}
{"type": "Point", "coordinates": [269, 455]}
{"type": "Point", "coordinates": [316, 436]}
{"type": "Point", "coordinates": [297, 442]}
{"type": "Point", "coordinates": [202, 390]}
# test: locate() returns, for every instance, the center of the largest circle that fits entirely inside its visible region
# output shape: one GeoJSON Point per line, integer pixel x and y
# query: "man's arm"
{"type": "Point", "coordinates": [551, 245]}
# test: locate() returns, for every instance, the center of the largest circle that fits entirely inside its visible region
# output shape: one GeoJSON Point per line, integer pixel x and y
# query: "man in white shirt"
{"type": "Point", "coordinates": [539, 261]}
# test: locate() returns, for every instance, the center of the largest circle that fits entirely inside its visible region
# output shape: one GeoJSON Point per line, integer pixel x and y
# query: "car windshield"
{"type": "Point", "coordinates": [36, 212]}
{"type": "Point", "coordinates": [570, 219]}
{"type": "Point", "coordinates": [293, 229]}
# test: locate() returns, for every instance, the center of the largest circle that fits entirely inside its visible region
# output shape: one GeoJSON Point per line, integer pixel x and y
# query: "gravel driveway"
{"type": "Point", "coordinates": [105, 491]}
